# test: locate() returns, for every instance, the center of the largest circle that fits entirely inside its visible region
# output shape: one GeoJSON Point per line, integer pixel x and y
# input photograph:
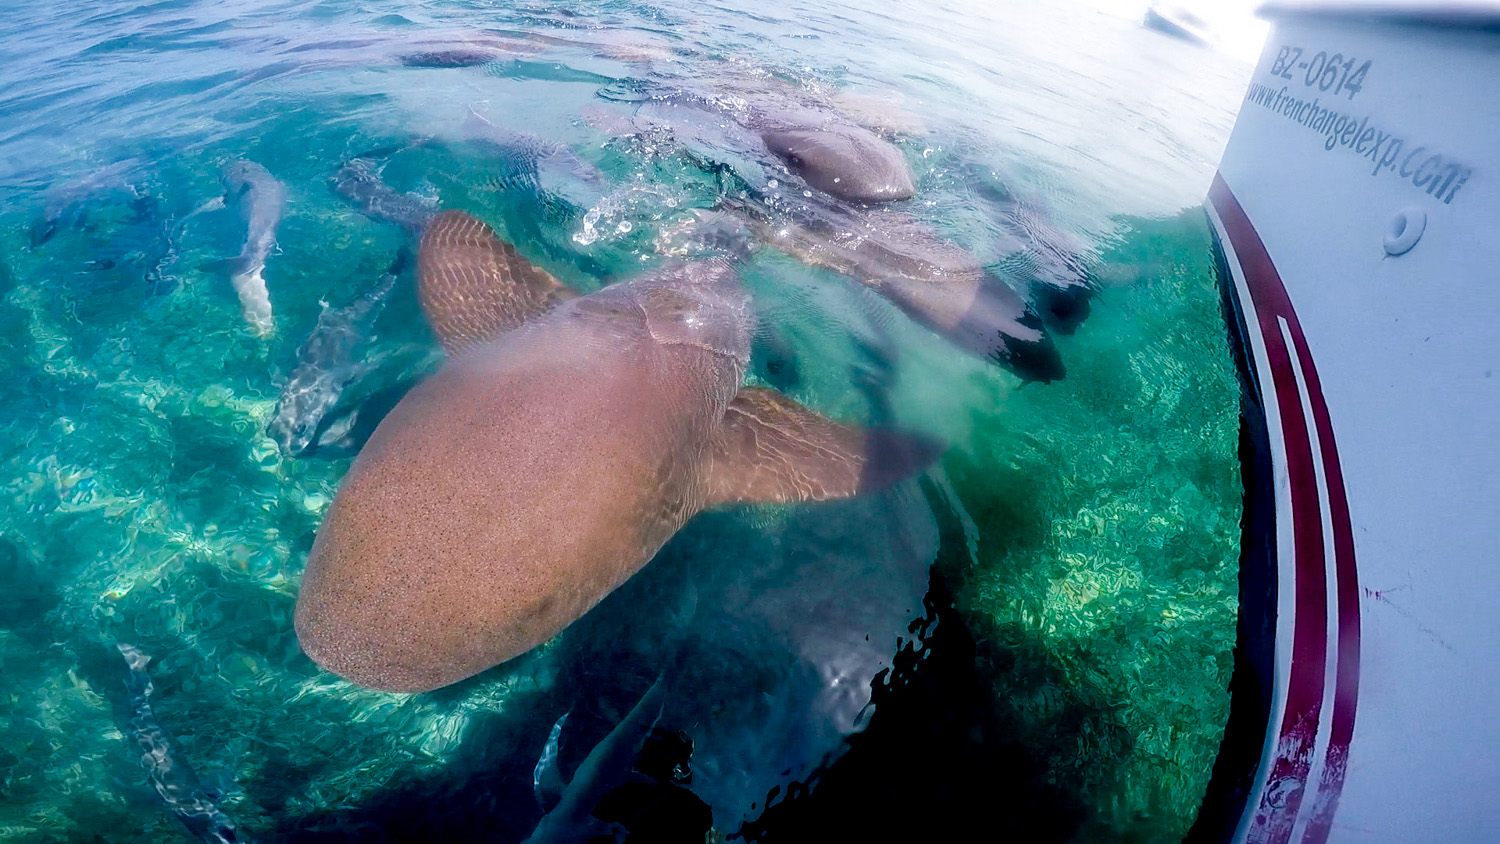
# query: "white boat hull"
{"type": "Point", "coordinates": [1358, 214]}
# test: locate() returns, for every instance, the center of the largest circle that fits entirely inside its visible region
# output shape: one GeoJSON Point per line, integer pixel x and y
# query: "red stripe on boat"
{"type": "Point", "coordinates": [1287, 784]}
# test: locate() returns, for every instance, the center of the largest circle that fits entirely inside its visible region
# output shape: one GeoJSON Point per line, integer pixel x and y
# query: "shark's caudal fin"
{"type": "Point", "coordinates": [474, 286]}
{"type": "Point", "coordinates": [772, 449]}
{"type": "Point", "coordinates": [255, 300]}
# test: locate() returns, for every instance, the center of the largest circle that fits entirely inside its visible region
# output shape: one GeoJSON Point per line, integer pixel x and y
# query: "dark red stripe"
{"type": "Point", "coordinates": [1346, 688]}
{"type": "Point", "coordinates": [1287, 782]}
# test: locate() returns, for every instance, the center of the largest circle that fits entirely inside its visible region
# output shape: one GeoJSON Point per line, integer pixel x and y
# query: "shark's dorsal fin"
{"type": "Point", "coordinates": [769, 448]}
{"type": "Point", "coordinates": [474, 286]}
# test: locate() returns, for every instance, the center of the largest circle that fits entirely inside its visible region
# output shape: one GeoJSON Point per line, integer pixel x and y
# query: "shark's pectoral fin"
{"type": "Point", "coordinates": [546, 779]}
{"type": "Point", "coordinates": [474, 286]}
{"type": "Point", "coordinates": [769, 448]}
{"type": "Point", "coordinates": [570, 818]}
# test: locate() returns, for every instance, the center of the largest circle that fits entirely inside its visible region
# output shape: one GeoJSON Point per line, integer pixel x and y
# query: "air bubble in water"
{"type": "Point", "coordinates": [624, 227]}
{"type": "Point", "coordinates": [588, 234]}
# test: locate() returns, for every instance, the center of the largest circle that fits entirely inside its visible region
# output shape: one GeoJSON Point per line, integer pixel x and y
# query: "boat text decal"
{"type": "Point", "coordinates": [1436, 174]}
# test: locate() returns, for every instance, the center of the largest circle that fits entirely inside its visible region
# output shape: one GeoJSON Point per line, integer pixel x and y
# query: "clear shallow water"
{"type": "Point", "coordinates": [1085, 530]}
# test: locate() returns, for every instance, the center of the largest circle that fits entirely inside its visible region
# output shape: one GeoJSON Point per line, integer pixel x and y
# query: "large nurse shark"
{"type": "Point", "coordinates": [564, 441]}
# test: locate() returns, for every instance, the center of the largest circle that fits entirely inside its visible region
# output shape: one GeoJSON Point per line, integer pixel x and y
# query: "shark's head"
{"type": "Point", "coordinates": [845, 161]}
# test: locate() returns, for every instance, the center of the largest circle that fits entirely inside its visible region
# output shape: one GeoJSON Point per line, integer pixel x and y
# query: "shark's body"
{"type": "Point", "coordinates": [359, 182]}
{"type": "Point", "coordinates": [563, 443]}
{"type": "Point", "coordinates": [174, 781]}
{"type": "Point", "coordinates": [331, 359]}
{"type": "Point", "coordinates": [260, 201]}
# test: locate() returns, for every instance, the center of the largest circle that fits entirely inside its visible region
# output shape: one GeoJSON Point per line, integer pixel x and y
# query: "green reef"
{"type": "Point", "coordinates": [1102, 588]}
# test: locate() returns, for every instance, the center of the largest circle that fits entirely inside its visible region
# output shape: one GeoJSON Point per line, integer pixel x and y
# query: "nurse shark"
{"type": "Point", "coordinates": [260, 200]}
{"type": "Point", "coordinates": [564, 442]}
{"type": "Point", "coordinates": [846, 225]}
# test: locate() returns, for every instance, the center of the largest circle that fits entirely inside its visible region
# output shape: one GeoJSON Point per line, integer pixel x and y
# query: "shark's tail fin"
{"type": "Point", "coordinates": [255, 300]}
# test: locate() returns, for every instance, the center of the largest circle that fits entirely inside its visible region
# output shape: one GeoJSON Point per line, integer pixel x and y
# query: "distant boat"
{"type": "Point", "coordinates": [1179, 22]}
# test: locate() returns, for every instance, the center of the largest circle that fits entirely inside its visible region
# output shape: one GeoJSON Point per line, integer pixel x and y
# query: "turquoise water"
{"type": "Point", "coordinates": [1081, 535]}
